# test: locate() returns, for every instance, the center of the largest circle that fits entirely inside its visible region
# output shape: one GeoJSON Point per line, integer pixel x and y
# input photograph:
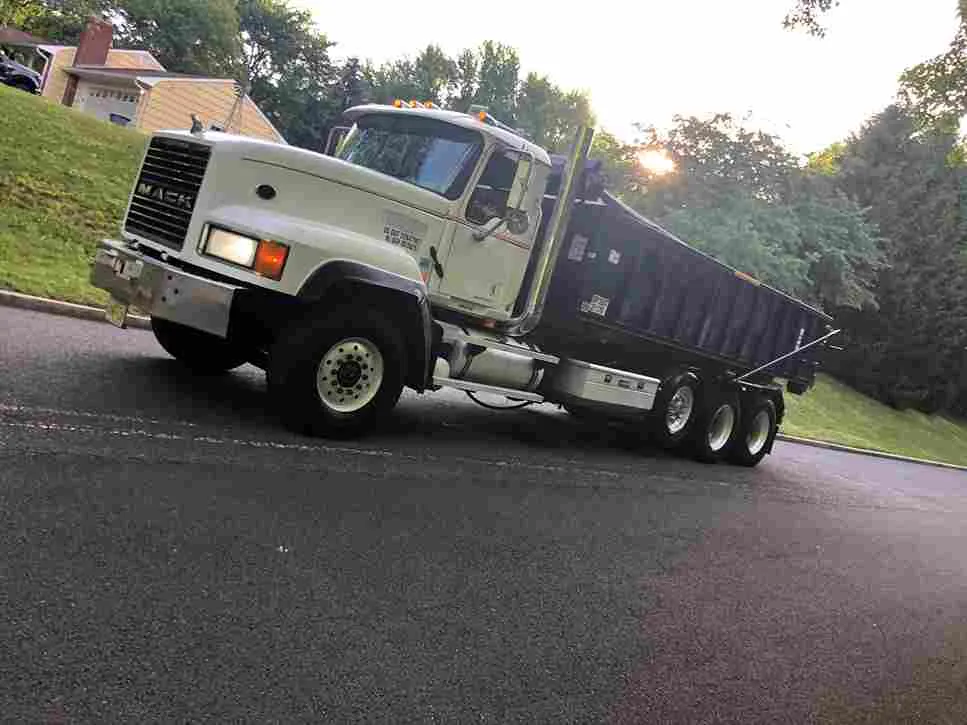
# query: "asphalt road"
{"type": "Point", "coordinates": [169, 553]}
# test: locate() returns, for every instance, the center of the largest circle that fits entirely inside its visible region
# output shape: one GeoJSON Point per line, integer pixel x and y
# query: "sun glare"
{"type": "Point", "coordinates": [656, 161]}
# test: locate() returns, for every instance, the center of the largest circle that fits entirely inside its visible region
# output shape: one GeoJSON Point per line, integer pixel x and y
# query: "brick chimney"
{"type": "Point", "coordinates": [92, 49]}
{"type": "Point", "coordinates": [95, 43]}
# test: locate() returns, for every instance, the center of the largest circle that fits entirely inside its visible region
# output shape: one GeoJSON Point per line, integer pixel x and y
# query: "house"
{"type": "Point", "coordinates": [131, 88]}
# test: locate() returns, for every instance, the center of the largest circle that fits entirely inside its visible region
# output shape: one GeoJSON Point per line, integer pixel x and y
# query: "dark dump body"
{"type": "Point", "coordinates": [627, 293]}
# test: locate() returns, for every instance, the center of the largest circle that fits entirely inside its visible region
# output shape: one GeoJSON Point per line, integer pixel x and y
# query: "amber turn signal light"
{"type": "Point", "coordinates": [270, 259]}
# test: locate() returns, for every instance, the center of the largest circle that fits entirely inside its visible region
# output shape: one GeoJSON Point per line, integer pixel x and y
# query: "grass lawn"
{"type": "Point", "coordinates": [834, 412]}
{"type": "Point", "coordinates": [64, 183]}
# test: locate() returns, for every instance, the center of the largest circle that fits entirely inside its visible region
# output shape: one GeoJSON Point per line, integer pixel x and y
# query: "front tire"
{"type": "Point", "coordinates": [756, 434]}
{"type": "Point", "coordinates": [337, 377]}
{"type": "Point", "coordinates": [200, 351]}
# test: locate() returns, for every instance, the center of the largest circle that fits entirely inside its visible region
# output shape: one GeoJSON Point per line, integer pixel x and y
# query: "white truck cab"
{"type": "Point", "coordinates": [234, 246]}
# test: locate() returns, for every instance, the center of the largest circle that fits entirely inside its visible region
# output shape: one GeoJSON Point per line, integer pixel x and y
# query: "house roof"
{"type": "Point", "coordinates": [12, 36]}
{"type": "Point", "coordinates": [131, 75]}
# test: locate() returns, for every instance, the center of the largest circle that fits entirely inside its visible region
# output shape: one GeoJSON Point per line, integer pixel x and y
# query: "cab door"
{"type": "Point", "coordinates": [493, 237]}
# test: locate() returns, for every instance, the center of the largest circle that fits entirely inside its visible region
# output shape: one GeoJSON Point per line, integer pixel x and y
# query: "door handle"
{"type": "Point", "coordinates": [437, 267]}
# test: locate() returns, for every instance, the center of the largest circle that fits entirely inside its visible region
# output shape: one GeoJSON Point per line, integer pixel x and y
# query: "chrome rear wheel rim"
{"type": "Point", "coordinates": [679, 410]}
{"type": "Point", "coordinates": [721, 426]}
{"type": "Point", "coordinates": [755, 439]}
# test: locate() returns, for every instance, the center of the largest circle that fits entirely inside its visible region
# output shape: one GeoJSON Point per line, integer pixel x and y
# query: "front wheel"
{"type": "Point", "coordinates": [199, 351]}
{"type": "Point", "coordinates": [756, 433]}
{"type": "Point", "coordinates": [337, 377]}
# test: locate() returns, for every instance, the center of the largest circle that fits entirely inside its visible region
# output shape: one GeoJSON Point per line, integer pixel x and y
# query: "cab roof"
{"type": "Point", "coordinates": [464, 120]}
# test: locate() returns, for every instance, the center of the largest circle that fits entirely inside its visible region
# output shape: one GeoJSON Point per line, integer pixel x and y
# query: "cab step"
{"type": "Point", "coordinates": [471, 387]}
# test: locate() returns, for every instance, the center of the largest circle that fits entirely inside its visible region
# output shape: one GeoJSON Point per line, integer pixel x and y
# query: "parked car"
{"type": "Point", "coordinates": [18, 75]}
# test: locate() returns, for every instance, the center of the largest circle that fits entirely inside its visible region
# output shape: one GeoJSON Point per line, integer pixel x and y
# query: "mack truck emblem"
{"type": "Point", "coordinates": [167, 196]}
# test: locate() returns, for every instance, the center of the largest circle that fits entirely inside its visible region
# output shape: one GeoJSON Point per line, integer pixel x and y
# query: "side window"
{"type": "Point", "coordinates": [489, 197]}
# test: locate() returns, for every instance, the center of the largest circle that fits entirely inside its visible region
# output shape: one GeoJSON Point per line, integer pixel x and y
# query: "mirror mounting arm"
{"type": "Point", "coordinates": [487, 229]}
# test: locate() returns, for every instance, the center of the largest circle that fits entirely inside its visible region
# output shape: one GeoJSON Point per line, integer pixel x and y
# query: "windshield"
{"type": "Point", "coordinates": [429, 153]}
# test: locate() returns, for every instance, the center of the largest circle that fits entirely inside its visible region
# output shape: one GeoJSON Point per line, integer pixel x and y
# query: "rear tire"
{"type": "Point", "coordinates": [756, 434]}
{"type": "Point", "coordinates": [200, 351]}
{"type": "Point", "coordinates": [339, 376]}
{"type": "Point", "coordinates": [716, 426]}
{"type": "Point", "coordinates": [675, 410]}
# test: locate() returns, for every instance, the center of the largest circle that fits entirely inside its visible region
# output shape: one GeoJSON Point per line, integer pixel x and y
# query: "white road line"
{"type": "Point", "coordinates": [136, 433]}
{"type": "Point", "coordinates": [375, 453]}
{"type": "Point", "coordinates": [30, 410]}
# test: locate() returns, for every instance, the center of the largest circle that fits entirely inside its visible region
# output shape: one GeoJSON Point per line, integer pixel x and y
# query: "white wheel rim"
{"type": "Point", "coordinates": [349, 375]}
{"type": "Point", "coordinates": [679, 410]}
{"type": "Point", "coordinates": [721, 427]}
{"type": "Point", "coordinates": [758, 433]}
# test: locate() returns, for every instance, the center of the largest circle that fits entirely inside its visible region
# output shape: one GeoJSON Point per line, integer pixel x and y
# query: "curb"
{"type": "Point", "coordinates": [868, 452]}
{"type": "Point", "coordinates": [65, 309]}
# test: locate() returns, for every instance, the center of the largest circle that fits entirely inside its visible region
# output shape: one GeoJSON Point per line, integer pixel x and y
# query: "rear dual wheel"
{"type": "Point", "coordinates": [716, 426]}
{"type": "Point", "coordinates": [675, 410]}
{"type": "Point", "coordinates": [756, 433]}
{"type": "Point", "coordinates": [711, 423]}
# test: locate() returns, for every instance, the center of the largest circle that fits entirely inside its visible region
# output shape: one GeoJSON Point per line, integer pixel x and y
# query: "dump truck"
{"type": "Point", "coordinates": [430, 249]}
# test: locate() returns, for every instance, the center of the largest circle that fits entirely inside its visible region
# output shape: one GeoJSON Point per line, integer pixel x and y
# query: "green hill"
{"type": "Point", "coordinates": [64, 183]}
{"type": "Point", "coordinates": [835, 412]}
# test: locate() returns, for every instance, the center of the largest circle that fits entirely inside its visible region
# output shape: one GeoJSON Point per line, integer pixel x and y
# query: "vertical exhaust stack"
{"type": "Point", "coordinates": [556, 231]}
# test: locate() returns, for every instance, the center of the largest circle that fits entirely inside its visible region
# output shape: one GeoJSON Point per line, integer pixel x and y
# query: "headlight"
{"type": "Point", "coordinates": [231, 247]}
{"type": "Point", "coordinates": [266, 258]}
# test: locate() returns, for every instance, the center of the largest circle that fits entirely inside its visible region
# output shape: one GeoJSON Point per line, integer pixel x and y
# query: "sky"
{"type": "Point", "coordinates": [643, 62]}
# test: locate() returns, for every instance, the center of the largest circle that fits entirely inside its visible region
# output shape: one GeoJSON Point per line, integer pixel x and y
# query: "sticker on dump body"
{"type": "Point", "coordinates": [579, 246]}
{"type": "Point", "coordinates": [597, 306]}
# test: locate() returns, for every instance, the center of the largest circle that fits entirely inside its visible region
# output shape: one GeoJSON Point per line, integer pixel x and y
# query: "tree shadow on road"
{"type": "Point", "coordinates": [164, 389]}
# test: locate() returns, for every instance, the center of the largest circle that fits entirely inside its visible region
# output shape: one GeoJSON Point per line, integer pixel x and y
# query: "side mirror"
{"type": "Point", "coordinates": [518, 222]}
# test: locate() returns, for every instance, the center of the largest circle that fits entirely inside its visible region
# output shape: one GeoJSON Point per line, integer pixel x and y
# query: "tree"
{"type": "Point", "coordinates": [184, 35]}
{"type": "Point", "coordinates": [549, 115]}
{"type": "Point", "coordinates": [935, 91]}
{"type": "Point", "coordinates": [828, 161]}
{"type": "Point", "coordinates": [430, 77]}
{"type": "Point", "coordinates": [55, 20]}
{"type": "Point", "coordinates": [466, 81]}
{"type": "Point", "coordinates": [351, 88]}
{"type": "Point", "coordinates": [497, 79]}
{"type": "Point", "coordinates": [19, 13]}
{"type": "Point", "coordinates": [910, 351]}
{"type": "Point", "coordinates": [284, 61]}
{"type": "Point", "coordinates": [620, 160]}
{"type": "Point", "coordinates": [434, 74]}
{"type": "Point", "coordinates": [806, 14]}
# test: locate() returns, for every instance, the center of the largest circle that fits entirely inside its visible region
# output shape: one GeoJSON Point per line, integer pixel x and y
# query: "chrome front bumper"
{"type": "Point", "coordinates": [161, 290]}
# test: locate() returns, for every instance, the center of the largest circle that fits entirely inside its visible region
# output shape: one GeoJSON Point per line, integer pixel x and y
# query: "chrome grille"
{"type": "Point", "coordinates": [166, 190]}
